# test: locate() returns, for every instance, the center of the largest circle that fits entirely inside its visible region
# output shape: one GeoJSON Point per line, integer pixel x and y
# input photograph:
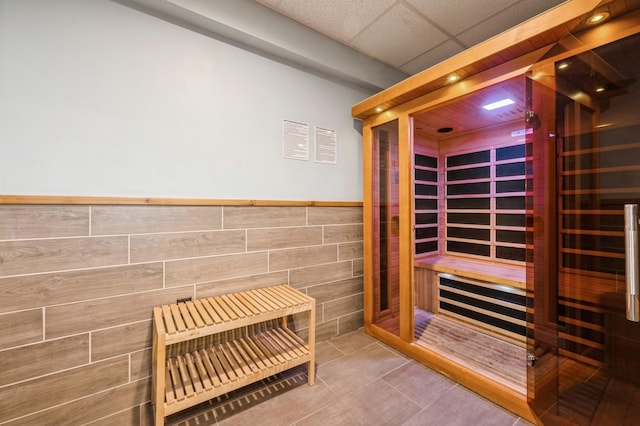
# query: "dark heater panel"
{"type": "Point", "coordinates": [498, 308]}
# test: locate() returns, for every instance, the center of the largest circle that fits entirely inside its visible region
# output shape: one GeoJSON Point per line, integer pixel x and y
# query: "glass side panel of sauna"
{"type": "Point", "coordinates": [386, 241]}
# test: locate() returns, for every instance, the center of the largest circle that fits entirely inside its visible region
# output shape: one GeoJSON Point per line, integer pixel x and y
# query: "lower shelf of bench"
{"type": "Point", "coordinates": [203, 374]}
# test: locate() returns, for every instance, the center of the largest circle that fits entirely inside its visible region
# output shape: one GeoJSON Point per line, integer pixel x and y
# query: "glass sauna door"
{"type": "Point", "coordinates": [386, 241]}
{"type": "Point", "coordinates": [580, 291]}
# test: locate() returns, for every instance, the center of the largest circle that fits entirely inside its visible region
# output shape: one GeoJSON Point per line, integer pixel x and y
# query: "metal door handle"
{"type": "Point", "coordinates": [632, 271]}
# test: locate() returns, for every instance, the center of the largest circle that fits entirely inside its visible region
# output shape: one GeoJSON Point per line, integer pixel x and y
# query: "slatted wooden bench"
{"type": "Point", "coordinates": [208, 347]}
{"type": "Point", "coordinates": [489, 296]}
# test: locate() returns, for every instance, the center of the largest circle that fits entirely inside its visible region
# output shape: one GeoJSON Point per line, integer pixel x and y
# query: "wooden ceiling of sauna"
{"type": "Point", "coordinates": [614, 70]}
{"type": "Point", "coordinates": [466, 114]}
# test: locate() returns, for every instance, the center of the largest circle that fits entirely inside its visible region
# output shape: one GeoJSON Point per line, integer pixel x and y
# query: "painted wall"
{"type": "Point", "coordinates": [98, 99]}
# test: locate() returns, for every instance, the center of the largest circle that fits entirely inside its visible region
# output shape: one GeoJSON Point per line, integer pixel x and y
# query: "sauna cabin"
{"type": "Point", "coordinates": [495, 191]}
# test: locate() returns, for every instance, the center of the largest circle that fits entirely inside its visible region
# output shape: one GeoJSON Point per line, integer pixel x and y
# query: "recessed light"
{"type": "Point", "coordinates": [378, 109]}
{"type": "Point", "coordinates": [498, 104]}
{"type": "Point", "coordinates": [445, 129]}
{"type": "Point", "coordinates": [600, 89]}
{"type": "Point", "coordinates": [563, 65]}
{"type": "Point", "coordinates": [452, 78]}
{"type": "Point", "coordinates": [598, 18]}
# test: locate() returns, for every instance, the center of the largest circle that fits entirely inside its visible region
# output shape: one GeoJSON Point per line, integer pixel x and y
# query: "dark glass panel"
{"type": "Point", "coordinates": [469, 248]}
{"type": "Point", "coordinates": [606, 243]}
{"type": "Point", "coordinates": [426, 161]}
{"type": "Point", "coordinates": [593, 263]}
{"type": "Point", "coordinates": [469, 188]}
{"type": "Point", "coordinates": [426, 175]}
{"type": "Point", "coordinates": [511, 169]}
{"type": "Point", "coordinates": [589, 202]}
{"type": "Point", "coordinates": [499, 309]}
{"type": "Point", "coordinates": [469, 233]}
{"type": "Point", "coordinates": [426, 218]}
{"type": "Point", "coordinates": [511, 253]}
{"type": "Point", "coordinates": [468, 174]}
{"type": "Point", "coordinates": [510, 152]}
{"type": "Point", "coordinates": [422, 189]}
{"type": "Point", "coordinates": [602, 222]}
{"type": "Point", "coordinates": [510, 203]}
{"type": "Point", "coordinates": [484, 291]}
{"type": "Point", "coordinates": [510, 236]}
{"type": "Point", "coordinates": [426, 247]}
{"type": "Point", "coordinates": [510, 186]}
{"type": "Point", "coordinates": [602, 180]}
{"type": "Point", "coordinates": [429, 204]}
{"type": "Point", "coordinates": [505, 325]}
{"type": "Point", "coordinates": [431, 232]}
{"type": "Point", "coordinates": [470, 158]}
{"type": "Point", "coordinates": [469, 203]}
{"type": "Point", "coordinates": [510, 220]}
{"type": "Point", "coordinates": [469, 218]}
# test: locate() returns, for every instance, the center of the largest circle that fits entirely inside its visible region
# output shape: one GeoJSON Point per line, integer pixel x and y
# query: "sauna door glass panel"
{"type": "Point", "coordinates": [386, 211]}
{"type": "Point", "coordinates": [597, 157]}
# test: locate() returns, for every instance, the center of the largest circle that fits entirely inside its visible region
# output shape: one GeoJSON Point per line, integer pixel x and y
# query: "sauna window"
{"type": "Point", "coordinates": [485, 202]}
{"type": "Point", "coordinates": [426, 203]}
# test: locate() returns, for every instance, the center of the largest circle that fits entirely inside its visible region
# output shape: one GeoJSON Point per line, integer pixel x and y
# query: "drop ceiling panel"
{"type": "Point", "coordinates": [431, 57]}
{"type": "Point", "coordinates": [399, 36]}
{"type": "Point", "coordinates": [338, 19]}
{"type": "Point", "coordinates": [457, 16]}
{"type": "Point", "coordinates": [505, 19]}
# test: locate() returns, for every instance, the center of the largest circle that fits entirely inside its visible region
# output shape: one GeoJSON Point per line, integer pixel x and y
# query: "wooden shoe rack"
{"type": "Point", "coordinates": [208, 347]}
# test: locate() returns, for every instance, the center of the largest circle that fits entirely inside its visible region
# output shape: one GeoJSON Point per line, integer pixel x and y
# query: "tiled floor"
{"type": "Point", "coordinates": [359, 381]}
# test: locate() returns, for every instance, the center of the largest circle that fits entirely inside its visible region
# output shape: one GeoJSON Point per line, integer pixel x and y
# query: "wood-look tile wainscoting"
{"type": "Point", "coordinates": [78, 282]}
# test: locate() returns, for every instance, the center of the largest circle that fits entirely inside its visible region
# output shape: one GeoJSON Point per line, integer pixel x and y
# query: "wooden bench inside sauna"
{"type": "Point", "coordinates": [208, 347]}
{"type": "Point", "coordinates": [490, 297]}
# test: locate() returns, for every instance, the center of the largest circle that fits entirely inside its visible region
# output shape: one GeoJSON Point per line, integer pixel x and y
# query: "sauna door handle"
{"type": "Point", "coordinates": [632, 271]}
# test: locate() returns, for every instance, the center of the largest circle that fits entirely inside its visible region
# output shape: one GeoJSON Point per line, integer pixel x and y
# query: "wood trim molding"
{"type": "Point", "coordinates": [158, 201]}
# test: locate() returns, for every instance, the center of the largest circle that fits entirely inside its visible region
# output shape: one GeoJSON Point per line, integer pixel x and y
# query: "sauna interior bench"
{"type": "Point", "coordinates": [490, 297]}
{"type": "Point", "coordinates": [498, 273]}
{"type": "Point", "coordinates": [208, 347]}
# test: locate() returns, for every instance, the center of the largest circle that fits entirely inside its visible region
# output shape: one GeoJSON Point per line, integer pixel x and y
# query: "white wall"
{"type": "Point", "coordinates": [99, 99]}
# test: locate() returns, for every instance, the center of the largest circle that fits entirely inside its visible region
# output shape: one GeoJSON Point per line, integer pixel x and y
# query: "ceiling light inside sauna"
{"type": "Point", "coordinates": [498, 104]}
{"type": "Point", "coordinates": [563, 65]}
{"type": "Point", "coordinates": [452, 78]}
{"type": "Point", "coordinates": [378, 109]}
{"type": "Point", "coordinates": [601, 89]}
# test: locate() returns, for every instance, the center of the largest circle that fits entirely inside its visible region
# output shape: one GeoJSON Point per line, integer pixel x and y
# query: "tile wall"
{"type": "Point", "coordinates": [78, 283]}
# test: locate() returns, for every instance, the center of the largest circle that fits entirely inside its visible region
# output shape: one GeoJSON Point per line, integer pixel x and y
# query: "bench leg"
{"type": "Point", "coordinates": [311, 368]}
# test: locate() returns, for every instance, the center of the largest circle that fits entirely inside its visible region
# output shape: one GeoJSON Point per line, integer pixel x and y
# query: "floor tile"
{"type": "Point", "coordinates": [353, 341]}
{"type": "Point", "coordinates": [461, 407]}
{"type": "Point", "coordinates": [374, 404]}
{"type": "Point", "coordinates": [359, 368]}
{"type": "Point", "coordinates": [327, 352]}
{"type": "Point", "coordinates": [419, 383]}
